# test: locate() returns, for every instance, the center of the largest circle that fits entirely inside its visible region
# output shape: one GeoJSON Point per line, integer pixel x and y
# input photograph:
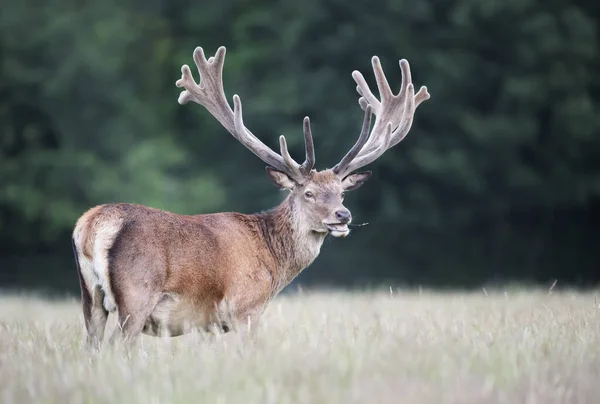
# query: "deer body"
{"type": "Point", "coordinates": [203, 271]}
{"type": "Point", "coordinates": [166, 274]}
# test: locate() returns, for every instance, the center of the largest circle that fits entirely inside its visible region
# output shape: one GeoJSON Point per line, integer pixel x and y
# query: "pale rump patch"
{"type": "Point", "coordinates": [97, 232]}
{"type": "Point", "coordinates": [106, 231]}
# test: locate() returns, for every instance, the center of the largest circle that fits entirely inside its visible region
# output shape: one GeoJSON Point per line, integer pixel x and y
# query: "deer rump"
{"type": "Point", "coordinates": [170, 271]}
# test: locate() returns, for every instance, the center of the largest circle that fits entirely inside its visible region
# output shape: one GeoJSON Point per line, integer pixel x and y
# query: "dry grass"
{"type": "Point", "coordinates": [520, 347]}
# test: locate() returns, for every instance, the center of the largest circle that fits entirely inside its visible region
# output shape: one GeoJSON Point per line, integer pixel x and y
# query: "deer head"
{"type": "Point", "coordinates": [317, 196]}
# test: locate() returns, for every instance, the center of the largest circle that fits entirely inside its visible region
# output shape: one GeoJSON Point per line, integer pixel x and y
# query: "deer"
{"type": "Point", "coordinates": [167, 274]}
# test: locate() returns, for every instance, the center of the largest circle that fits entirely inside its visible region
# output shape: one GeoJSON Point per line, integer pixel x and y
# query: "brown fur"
{"type": "Point", "coordinates": [168, 273]}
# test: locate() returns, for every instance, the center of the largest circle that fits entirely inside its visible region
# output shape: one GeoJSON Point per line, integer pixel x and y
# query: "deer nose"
{"type": "Point", "coordinates": [343, 215]}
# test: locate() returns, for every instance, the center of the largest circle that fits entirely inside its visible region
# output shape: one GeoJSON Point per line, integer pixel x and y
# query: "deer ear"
{"type": "Point", "coordinates": [354, 181]}
{"type": "Point", "coordinates": [280, 179]}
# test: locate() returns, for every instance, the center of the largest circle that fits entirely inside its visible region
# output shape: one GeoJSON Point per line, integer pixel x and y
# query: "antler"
{"type": "Point", "coordinates": [210, 94]}
{"type": "Point", "coordinates": [394, 117]}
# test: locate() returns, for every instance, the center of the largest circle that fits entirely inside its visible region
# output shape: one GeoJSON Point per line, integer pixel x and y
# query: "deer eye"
{"type": "Point", "coordinates": [343, 195]}
{"type": "Point", "coordinates": [309, 194]}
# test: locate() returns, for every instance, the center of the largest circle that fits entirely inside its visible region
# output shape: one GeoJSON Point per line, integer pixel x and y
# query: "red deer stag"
{"type": "Point", "coordinates": [166, 274]}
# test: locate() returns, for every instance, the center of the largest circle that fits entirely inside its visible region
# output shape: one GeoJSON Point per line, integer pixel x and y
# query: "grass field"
{"type": "Point", "coordinates": [323, 347]}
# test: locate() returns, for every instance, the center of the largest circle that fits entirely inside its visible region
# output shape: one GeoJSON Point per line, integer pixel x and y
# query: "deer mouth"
{"type": "Point", "coordinates": [337, 229]}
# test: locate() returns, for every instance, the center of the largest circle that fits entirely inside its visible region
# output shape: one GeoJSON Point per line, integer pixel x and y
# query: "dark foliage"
{"type": "Point", "coordinates": [498, 180]}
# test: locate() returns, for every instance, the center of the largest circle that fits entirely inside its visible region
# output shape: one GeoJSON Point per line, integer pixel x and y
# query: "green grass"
{"type": "Point", "coordinates": [323, 347]}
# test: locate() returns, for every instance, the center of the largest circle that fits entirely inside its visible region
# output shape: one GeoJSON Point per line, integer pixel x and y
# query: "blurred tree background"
{"type": "Point", "coordinates": [499, 179]}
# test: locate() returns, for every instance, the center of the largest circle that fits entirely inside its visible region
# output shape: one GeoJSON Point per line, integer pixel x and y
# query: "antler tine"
{"type": "Point", "coordinates": [385, 92]}
{"type": "Point", "coordinates": [363, 103]}
{"type": "Point", "coordinates": [306, 167]}
{"type": "Point", "coordinates": [412, 103]}
{"type": "Point", "coordinates": [406, 74]}
{"type": "Point", "coordinates": [363, 89]}
{"type": "Point", "coordinates": [422, 95]}
{"type": "Point", "coordinates": [289, 161]}
{"type": "Point", "coordinates": [309, 162]}
{"type": "Point", "coordinates": [362, 139]}
{"type": "Point", "coordinates": [209, 93]}
{"type": "Point", "coordinates": [394, 115]}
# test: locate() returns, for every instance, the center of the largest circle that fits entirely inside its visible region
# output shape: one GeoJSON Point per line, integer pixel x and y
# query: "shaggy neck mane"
{"type": "Point", "coordinates": [291, 241]}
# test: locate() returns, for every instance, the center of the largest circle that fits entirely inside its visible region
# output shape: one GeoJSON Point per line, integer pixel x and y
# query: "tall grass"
{"type": "Point", "coordinates": [323, 347]}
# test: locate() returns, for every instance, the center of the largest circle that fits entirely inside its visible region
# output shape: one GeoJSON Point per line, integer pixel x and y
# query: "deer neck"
{"type": "Point", "coordinates": [291, 241]}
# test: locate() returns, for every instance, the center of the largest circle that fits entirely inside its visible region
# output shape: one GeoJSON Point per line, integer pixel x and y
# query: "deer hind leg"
{"type": "Point", "coordinates": [134, 312]}
{"type": "Point", "coordinates": [96, 323]}
{"type": "Point", "coordinates": [92, 301]}
{"type": "Point", "coordinates": [137, 288]}
{"type": "Point", "coordinates": [95, 316]}
{"type": "Point", "coordinates": [137, 275]}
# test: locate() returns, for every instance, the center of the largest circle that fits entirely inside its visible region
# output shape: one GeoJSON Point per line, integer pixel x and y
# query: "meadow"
{"type": "Point", "coordinates": [387, 346]}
